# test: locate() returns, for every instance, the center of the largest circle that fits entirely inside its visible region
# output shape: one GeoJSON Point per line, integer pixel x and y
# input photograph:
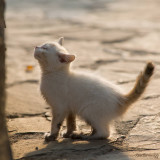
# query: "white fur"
{"type": "Point", "coordinates": [95, 100]}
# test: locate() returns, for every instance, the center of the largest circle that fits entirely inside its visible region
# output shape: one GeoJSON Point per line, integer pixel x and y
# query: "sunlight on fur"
{"type": "Point", "coordinates": [70, 93]}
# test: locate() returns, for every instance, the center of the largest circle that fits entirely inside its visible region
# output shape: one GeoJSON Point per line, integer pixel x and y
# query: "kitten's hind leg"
{"type": "Point", "coordinates": [71, 125]}
{"type": "Point", "coordinates": [99, 132]}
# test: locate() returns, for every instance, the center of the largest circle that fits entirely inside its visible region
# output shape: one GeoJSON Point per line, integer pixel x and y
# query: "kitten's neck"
{"type": "Point", "coordinates": [50, 70]}
{"type": "Point", "coordinates": [55, 73]}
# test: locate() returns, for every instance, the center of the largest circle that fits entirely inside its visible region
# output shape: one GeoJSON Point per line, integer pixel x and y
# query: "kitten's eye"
{"type": "Point", "coordinates": [44, 48]}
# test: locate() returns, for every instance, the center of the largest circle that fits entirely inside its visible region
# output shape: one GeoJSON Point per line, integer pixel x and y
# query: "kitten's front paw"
{"type": "Point", "coordinates": [76, 135]}
{"type": "Point", "coordinates": [50, 137]}
{"type": "Point", "coordinates": [67, 135]}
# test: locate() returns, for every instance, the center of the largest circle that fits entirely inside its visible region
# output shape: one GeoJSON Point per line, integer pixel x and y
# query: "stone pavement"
{"type": "Point", "coordinates": [111, 38]}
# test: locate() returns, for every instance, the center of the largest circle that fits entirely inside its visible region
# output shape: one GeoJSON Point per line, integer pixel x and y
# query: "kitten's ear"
{"type": "Point", "coordinates": [61, 40]}
{"type": "Point", "coordinates": [66, 58]}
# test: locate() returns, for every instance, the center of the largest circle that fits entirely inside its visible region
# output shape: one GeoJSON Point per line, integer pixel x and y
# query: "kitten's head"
{"type": "Point", "coordinates": [53, 56]}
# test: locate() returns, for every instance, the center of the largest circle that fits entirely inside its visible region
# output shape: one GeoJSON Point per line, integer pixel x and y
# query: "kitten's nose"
{"type": "Point", "coordinates": [37, 47]}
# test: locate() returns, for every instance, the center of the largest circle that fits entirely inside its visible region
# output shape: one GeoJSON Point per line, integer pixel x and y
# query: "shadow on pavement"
{"type": "Point", "coordinates": [68, 149]}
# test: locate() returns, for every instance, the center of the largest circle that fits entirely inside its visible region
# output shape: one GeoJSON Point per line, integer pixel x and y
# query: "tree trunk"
{"type": "Point", "coordinates": [5, 150]}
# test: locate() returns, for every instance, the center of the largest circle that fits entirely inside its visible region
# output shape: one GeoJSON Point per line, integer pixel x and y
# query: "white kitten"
{"type": "Point", "coordinates": [70, 93]}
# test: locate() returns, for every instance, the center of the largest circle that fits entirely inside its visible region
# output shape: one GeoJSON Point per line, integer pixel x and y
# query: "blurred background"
{"type": "Point", "coordinates": [102, 30]}
{"type": "Point", "coordinates": [111, 38]}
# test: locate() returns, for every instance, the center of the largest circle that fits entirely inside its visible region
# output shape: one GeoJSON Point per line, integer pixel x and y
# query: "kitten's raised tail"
{"type": "Point", "coordinates": [139, 87]}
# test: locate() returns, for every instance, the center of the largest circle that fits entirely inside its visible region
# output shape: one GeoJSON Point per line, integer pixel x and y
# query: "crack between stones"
{"type": "Point", "coordinates": [138, 149]}
{"type": "Point", "coordinates": [120, 140]}
{"type": "Point", "coordinates": [25, 115]}
{"type": "Point", "coordinates": [33, 81]}
{"type": "Point", "coordinates": [137, 52]}
{"type": "Point", "coordinates": [120, 40]}
{"type": "Point", "coordinates": [25, 136]}
{"type": "Point", "coordinates": [100, 62]}
{"type": "Point", "coordinates": [151, 97]}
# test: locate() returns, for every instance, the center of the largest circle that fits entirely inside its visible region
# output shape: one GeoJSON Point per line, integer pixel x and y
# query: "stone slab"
{"type": "Point", "coordinates": [145, 134]}
{"type": "Point", "coordinates": [151, 44]}
{"type": "Point", "coordinates": [29, 124]}
{"type": "Point", "coordinates": [131, 155]}
{"type": "Point", "coordinates": [23, 146]}
{"type": "Point", "coordinates": [24, 99]}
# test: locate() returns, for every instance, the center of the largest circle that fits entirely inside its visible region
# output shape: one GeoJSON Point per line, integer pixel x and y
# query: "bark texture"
{"type": "Point", "coordinates": [5, 150]}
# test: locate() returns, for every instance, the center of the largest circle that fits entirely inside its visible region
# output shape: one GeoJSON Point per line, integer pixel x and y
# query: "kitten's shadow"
{"type": "Point", "coordinates": [71, 149]}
